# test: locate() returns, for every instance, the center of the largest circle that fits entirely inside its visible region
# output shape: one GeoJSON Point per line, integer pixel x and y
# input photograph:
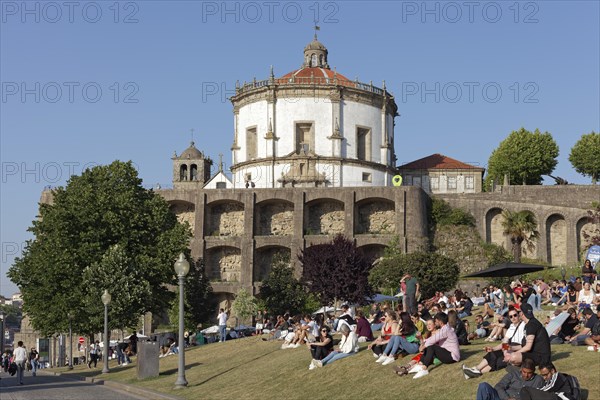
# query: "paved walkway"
{"type": "Point", "coordinates": [48, 386]}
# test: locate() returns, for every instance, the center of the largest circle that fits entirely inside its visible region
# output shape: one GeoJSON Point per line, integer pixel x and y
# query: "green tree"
{"type": "Point", "coordinates": [521, 227]}
{"type": "Point", "coordinates": [433, 271]}
{"type": "Point", "coordinates": [198, 294]}
{"type": "Point", "coordinates": [281, 291]}
{"type": "Point", "coordinates": [244, 306]}
{"type": "Point", "coordinates": [103, 207]}
{"type": "Point", "coordinates": [524, 156]}
{"type": "Point", "coordinates": [585, 156]}
{"type": "Point", "coordinates": [123, 279]}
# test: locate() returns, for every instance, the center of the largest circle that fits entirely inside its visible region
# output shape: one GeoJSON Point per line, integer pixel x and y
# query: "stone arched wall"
{"type": "Point", "coordinates": [584, 227]}
{"type": "Point", "coordinates": [377, 216]}
{"type": "Point", "coordinates": [493, 227]}
{"type": "Point", "coordinates": [224, 300]}
{"type": "Point", "coordinates": [274, 218]}
{"type": "Point", "coordinates": [373, 251]}
{"type": "Point", "coordinates": [263, 259]}
{"type": "Point", "coordinates": [556, 239]}
{"type": "Point", "coordinates": [324, 217]}
{"type": "Point", "coordinates": [185, 212]}
{"type": "Point", "coordinates": [223, 264]}
{"type": "Point", "coordinates": [225, 218]}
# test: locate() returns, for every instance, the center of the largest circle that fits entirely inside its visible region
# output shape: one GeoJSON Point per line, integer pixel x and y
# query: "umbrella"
{"type": "Point", "coordinates": [506, 270]}
{"type": "Point", "coordinates": [212, 329]}
{"type": "Point", "coordinates": [378, 298]}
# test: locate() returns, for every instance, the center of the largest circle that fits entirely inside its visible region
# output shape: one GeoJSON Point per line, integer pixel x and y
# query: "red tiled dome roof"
{"type": "Point", "coordinates": [319, 75]}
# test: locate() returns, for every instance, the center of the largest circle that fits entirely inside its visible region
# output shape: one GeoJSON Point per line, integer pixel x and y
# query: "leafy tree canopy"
{"type": "Point", "coordinates": [521, 227]}
{"type": "Point", "coordinates": [433, 271]}
{"type": "Point", "coordinates": [281, 292]}
{"type": "Point", "coordinates": [524, 156]}
{"type": "Point", "coordinates": [244, 306]}
{"type": "Point", "coordinates": [336, 271]}
{"type": "Point", "coordinates": [585, 156]}
{"type": "Point", "coordinates": [73, 257]}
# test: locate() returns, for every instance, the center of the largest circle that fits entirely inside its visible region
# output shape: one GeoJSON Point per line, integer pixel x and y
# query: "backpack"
{"type": "Point", "coordinates": [12, 368]}
{"type": "Point", "coordinates": [575, 387]}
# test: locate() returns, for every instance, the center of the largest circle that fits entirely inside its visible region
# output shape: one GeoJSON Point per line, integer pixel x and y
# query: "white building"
{"type": "Point", "coordinates": [312, 127]}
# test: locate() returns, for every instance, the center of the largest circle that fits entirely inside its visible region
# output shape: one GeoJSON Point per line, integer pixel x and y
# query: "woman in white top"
{"type": "Point", "coordinates": [494, 359]}
{"type": "Point", "coordinates": [586, 295]}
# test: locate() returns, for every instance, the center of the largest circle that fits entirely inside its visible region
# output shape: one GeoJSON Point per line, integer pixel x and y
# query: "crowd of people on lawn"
{"type": "Point", "coordinates": [431, 332]}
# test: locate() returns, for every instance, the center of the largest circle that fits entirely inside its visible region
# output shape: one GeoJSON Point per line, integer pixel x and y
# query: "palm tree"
{"type": "Point", "coordinates": [521, 227]}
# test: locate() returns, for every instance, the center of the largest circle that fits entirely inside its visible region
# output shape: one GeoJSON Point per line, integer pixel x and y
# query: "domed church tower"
{"type": "Point", "coordinates": [312, 127]}
{"type": "Point", "coordinates": [191, 168]}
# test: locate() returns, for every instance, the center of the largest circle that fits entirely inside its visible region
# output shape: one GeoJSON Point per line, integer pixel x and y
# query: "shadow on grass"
{"type": "Point", "coordinates": [175, 370]}
{"type": "Point", "coordinates": [232, 368]}
{"type": "Point", "coordinates": [560, 356]}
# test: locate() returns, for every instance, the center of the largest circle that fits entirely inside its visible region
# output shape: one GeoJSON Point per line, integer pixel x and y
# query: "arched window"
{"type": "Point", "coordinates": [183, 173]}
{"type": "Point", "coordinates": [193, 172]}
{"type": "Point", "coordinates": [313, 60]}
{"type": "Point", "coordinates": [321, 60]}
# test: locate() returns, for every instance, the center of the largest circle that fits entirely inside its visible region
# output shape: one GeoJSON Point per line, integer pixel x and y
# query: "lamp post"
{"type": "Point", "coordinates": [70, 316]}
{"type": "Point", "coordinates": [1, 332]}
{"type": "Point", "coordinates": [105, 300]}
{"type": "Point", "coordinates": [182, 267]}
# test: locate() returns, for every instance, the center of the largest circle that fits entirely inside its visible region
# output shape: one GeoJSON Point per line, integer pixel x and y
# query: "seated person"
{"type": "Point", "coordinates": [569, 299]}
{"type": "Point", "coordinates": [346, 347]}
{"type": "Point", "coordinates": [419, 323]}
{"type": "Point", "coordinates": [465, 307]}
{"type": "Point", "coordinates": [404, 339]}
{"type": "Point", "coordinates": [430, 330]}
{"type": "Point", "coordinates": [567, 330]}
{"type": "Point", "coordinates": [346, 318]}
{"type": "Point", "coordinates": [499, 328]}
{"type": "Point", "coordinates": [363, 328]}
{"type": "Point", "coordinates": [443, 345]}
{"type": "Point", "coordinates": [556, 386]}
{"type": "Point", "coordinates": [590, 320]}
{"type": "Point", "coordinates": [537, 342]}
{"type": "Point", "coordinates": [459, 328]}
{"type": "Point", "coordinates": [375, 317]}
{"type": "Point", "coordinates": [588, 274]}
{"type": "Point", "coordinates": [320, 348]}
{"type": "Point", "coordinates": [280, 330]}
{"type": "Point", "coordinates": [389, 326]}
{"type": "Point", "coordinates": [594, 339]}
{"type": "Point", "coordinates": [511, 384]}
{"type": "Point", "coordinates": [482, 328]}
{"type": "Point", "coordinates": [494, 358]}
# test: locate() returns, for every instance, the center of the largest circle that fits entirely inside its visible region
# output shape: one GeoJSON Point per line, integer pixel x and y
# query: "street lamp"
{"type": "Point", "coordinates": [70, 316]}
{"type": "Point", "coordinates": [105, 301]}
{"type": "Point", "coordinates": [182, 267]}
{"type": "Point", "coordinates": [1, 332]}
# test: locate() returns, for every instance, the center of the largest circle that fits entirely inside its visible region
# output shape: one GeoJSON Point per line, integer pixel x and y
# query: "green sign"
{"type": "Point", "coordinates": [397, 180]}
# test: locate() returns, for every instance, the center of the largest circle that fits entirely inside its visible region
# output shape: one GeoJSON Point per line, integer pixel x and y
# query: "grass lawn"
{"type": "Point", "coordinates": [252, 369]}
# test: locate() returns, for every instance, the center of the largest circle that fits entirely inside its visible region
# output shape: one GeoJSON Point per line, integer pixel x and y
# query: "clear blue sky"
{"type": "Point", "coordinates": [166, 67]}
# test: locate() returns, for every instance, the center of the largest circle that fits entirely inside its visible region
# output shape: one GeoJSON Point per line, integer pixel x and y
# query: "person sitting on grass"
{"type": "Point", "coordinates": [443, 345]}
{"type": "Point", "coordinates": [590, 320]}
{"type": "Point", "coordinates": [403, 339]}
{"type": "Point", "coordinates": [537, 342]}
{"type": "Point", "coordinates": [346, 347]}
{"type": "Point", "coordinates": [557, 386]}
{"type": "Point", "coordinates": [429, 331]}
{"type": "Point", "coordinates": [499, 327]}
{"type": "Point", "coordinates": [459, 328]}
{"type": "Point", "coordinates": [482, 328]}
{"type": "Point", "coordinates": [320, 348]}
{"type": "Point", "coordinates": [494, 357]}
{"type": "Point", "coordinates": [512, 383]}
{"type": "Point", "coordinates": [389, 326]}
{"type": "Point", "coordinates": [363, 328]}
{"type": "Point", "coordinates": [567, 330]}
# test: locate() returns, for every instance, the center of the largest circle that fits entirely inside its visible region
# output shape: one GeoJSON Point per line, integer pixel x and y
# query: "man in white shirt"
{"type": "Point", "coordinates": [20, 360]}
{"type": "Point", "coordinates": [222, 317]}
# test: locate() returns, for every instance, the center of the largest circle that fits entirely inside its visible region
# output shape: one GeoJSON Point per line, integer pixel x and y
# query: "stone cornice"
{"type": "Point", "coordinates": [320, 159]}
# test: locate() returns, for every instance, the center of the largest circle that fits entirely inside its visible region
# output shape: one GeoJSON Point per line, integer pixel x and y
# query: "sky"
{"type": "Point", "coordinates": [86, 83]}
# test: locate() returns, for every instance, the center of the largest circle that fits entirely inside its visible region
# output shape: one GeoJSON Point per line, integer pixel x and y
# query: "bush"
{"type": "Point", "coordinates": [280, 291]}
{"type": "Point", "coordinates": [433, 271]}
{"type": "Point", "coordinates": [443, 214]}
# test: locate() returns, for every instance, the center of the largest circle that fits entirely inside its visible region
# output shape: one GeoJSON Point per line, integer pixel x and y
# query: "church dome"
{"type": "Point", "coordinates": [315, 45]}
{"type": "Point", "coordinates": [314, 75]}
{"type": "Point", "coordinates": [191, 153]}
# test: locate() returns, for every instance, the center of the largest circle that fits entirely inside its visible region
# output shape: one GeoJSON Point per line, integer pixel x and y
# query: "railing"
{"type": "Point", "coordinates": [313, 80]}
